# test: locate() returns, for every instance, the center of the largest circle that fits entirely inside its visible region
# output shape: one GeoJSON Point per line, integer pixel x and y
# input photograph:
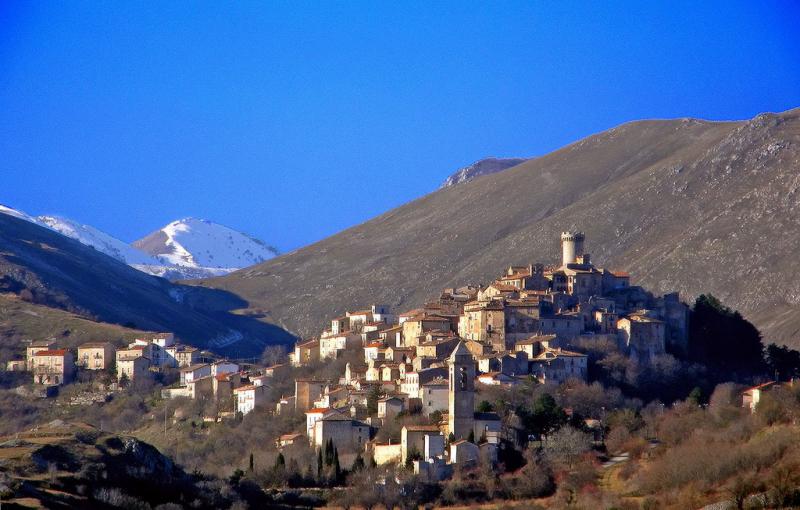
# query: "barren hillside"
{"type": "Point", "coordinates": [683, 204]}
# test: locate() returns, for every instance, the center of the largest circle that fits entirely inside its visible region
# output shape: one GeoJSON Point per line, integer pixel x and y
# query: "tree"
{"type": "Point", "coordinates": [471, 436]}
{"type": "Point", "coordinates": [696, 396]}
{"type": "Point", "coordinates": [273, 355]}
{"type": "Point", "coordinates": [373, 396]}
{"type": "Point", "coordinates": [545, 417]}
{"type": "Point", "coordinates": [721, 338]}
{"type": "Point", "coordinates": [319, 463]}
{"type": "Point", "coordinates": [280, 462]}
{"type": "Point", "coordinates": [567, 444]}
{"type": "Point", "coordinates": [358, 463]}
{"type": "Point", "coordinates": [337, 470]}
{"type": "Point", "coordinates": [251, 465]}
{"type": "Point", "coordinates": [536, 478]}
{"type": "Point", "coordinates": [783, 362]}
{"type": "Point", "coordinates": [485, 407]}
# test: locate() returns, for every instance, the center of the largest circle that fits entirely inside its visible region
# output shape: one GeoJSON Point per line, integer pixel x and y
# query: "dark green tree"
{"type": "Point", "coordinates": [783, 363]}
{"type": "Point", "coordinates": [722, 339]}
{"type": "Point", "coordinates": [696, 396]}
{"type": "Point", "coordinates": [545, 417]}
{"type": "Point", "coordinates": [358, 463]}
{"type": "Point", "coordinates": [485, 407]}
{"type": "Point", "coordinates": [337, 470]}
{"type": "Point", "coordinates": [471, 436]}
{"type": "Point", "coordinates": [375, 394]}
{"type": "Point", "coordinates": [319, 463]}
{"type": "Point", "coordinates": [280, 461]}
{"type": "Point", "coordinates": [251, 465]}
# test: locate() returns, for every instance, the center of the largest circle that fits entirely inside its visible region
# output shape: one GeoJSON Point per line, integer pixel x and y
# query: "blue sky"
{"type": "Point", "coordinates": [292, 121]}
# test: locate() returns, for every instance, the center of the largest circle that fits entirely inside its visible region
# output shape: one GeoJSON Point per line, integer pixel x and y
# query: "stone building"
{"type": "Point", "coordinates": [132, 367]}
{"type": "Point", "coordinates": [37, 346]}
{"type": "Point", "coordinates": [306, 391]}
{"type": "Point", "coordinates": [53, 367]}
{"type": "Point", "coordinates": [95, 355]}
{"type": "Point", "coordinates": [461, 396]}
{"type": "Point", "coordinates": [642, 335]}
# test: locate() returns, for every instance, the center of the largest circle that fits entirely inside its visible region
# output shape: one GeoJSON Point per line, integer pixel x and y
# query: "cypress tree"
{"type": "Point", "coordinates": [336, 468]}
{"type": "Point", "coordinates": [319, 464]}
{"type": "Point", "coordinates": [250, 467]}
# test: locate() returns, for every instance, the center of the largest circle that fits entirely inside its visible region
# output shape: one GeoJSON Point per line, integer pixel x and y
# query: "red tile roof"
{"type": "Point", "coordinates": [53, 352]}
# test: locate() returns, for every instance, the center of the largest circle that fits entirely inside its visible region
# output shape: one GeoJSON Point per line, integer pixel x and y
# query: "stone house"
{"type": "Point", "coordinates": [412, 440]}
{"type": "Point", "coordinates": [250, 397]}
{"type": "Point", "coordinates": [348, 435]}
{"type": "Point", "coordinates": [642, 335]}
{"type": "Point", "coordinates": [306, 391]}
{"type": "Point", "coordinates": [752, 396]}
{"type": "Point", "coordinates": [132, 367]}
{"type": "Point", "coordinates": [36, 346]}
{"type": "Point", "coordinates": [434, 395]}
{"type": "Point", "coordinates": [390, 407]}
{"type": "Point", "coordinates": [305, 353]}
{"type": "Point", "coordinates": [95, 355]}
{"type": "Point", "coordinates": [417, 326]}
{"type": "Point", "coordinates": [483, 321]}
{"type": "Point", "coordinates": [558, 365]}
{"type": "Point", "coordinates": [53, 367]}
{"type": "Point", "coordinates": [188, 374]}
{"type": "Point", "coordinates": [330, 345]}
{"type": "Point", "coordinates": [182, 355]}
{"type": "Point", "coordinates": [464, 452]}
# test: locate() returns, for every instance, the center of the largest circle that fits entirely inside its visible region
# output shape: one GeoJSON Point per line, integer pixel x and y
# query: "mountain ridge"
{"type": "Point", "coordinates": [158, 263]}
{"type": "Point", "coordinates": [47, 268]}
{"type": "Point", "coordinates": [655, 197]}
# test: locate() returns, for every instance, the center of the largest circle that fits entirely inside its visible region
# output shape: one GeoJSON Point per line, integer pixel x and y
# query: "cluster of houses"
{"type": "Point", "coordinates": [51, 365]}
{"type": "Point", "coordinates": [530, 323]}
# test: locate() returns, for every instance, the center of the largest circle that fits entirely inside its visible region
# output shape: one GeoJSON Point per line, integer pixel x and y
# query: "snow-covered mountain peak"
{"type": "Point", "coordinates": [196, 242]}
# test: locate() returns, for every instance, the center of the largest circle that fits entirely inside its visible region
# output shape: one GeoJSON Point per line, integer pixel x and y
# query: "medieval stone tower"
{"type": "Point", "coordinates": [571, 246]}
{"type": "Point", "coordinates": [461, 417]}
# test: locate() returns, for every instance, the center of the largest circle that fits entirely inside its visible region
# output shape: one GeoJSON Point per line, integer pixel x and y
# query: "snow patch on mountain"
{"type": "Point", "coordinates": [99, 240]}
{"type": "Point", "coordinates": [16, 213]}
{"type": "Point", "coordinates": [198, 243]}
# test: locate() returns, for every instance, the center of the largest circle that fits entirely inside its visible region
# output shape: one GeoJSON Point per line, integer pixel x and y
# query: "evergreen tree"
{"type": "Point", "coordinates": [280, 461]}
{"type": "Point", "coordinates": [358, 464]}
{"type": "Point", "coordinates": [471, 436]}
{"type": "Point", "coordinates": [722, 339]}
{"type": "Point", "coordinates": [337, 471]}
{"type": "Point", "coordinates": [319, 463]}
{"type": "Point", "coordinates": [250, 467]}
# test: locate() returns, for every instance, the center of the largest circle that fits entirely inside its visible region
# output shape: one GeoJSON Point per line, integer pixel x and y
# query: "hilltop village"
{"type": "Point", "coordinates": [530, 324]}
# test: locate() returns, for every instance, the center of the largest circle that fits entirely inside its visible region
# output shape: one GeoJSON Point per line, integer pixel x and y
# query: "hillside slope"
{"type": "Point", "coordinates": [683, 204]}
{"type": "Point", "coordinates": [50, 269]}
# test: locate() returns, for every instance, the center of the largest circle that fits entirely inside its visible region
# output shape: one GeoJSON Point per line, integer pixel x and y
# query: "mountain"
{"type": "Point", "coordinates": [192, 248]}
{"type": "Point", "coordinates": [201, 244]}
{"type": "Point", "coordinates": [99, 240]}
{"type": "Point", "coordinates": [685, 204]}
{"type": "Point", "coordinates": [41, 266]}
{"type": "Point", "coordinates": [480, 168]}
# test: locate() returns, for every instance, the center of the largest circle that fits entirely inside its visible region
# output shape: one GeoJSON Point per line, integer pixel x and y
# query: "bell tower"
{"type": "Point", "coordinates": [461, 417]}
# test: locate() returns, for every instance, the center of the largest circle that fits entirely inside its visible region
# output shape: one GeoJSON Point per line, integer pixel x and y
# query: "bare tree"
{"type": "Point", "coordinates": [567, 444]}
